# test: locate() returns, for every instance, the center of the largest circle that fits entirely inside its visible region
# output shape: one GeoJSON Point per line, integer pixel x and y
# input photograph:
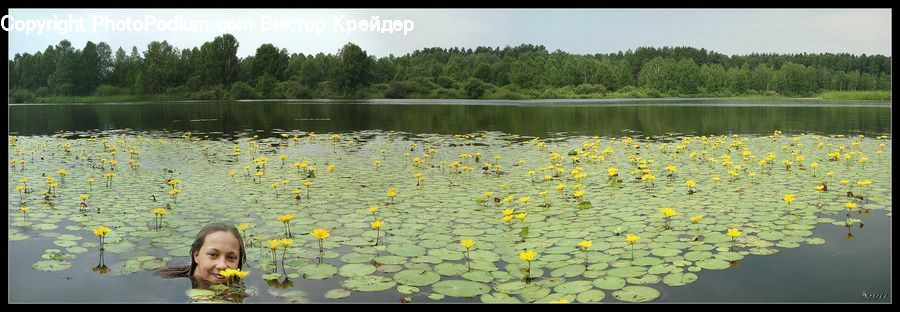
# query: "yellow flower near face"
{"type": "Point", "coordinates": [241, 274]}
{"type": "Point", "coordinates": [789, 197]}
{"type": "Point", "coordinates": [392, 192]}
{"type": "Point", "coordinates": [467, 243]}
{"type": "Point", "coordinates": [631, 238]}
{"type": "Point", "coordinates": [227, 273]}
{"type": "Point", "coordinates": [528, 255]}
{"type": "Point", "coordinates": [696, 218]}
{"type": "Point", "coordinates": [286, 218]}
{"type": "Point", "coordinates": [377, 224]}
{"type": "Point", "coordinates": [273, 244]}
{"type": "Point", "coordinates": [320, 233]}
{"type": "Point", "coordinates": [585, 244]}
{"type": "Point", "coordinates": [668, 212]}
{"type": "Point", "coordinates": [734, 233]}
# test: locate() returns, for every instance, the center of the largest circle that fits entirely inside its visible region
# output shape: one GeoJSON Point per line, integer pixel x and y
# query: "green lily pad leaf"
{"type": "Point", "coordinates": [479, 276]}
{"type": "Point", "coordinates": [317, 271]}
{"type": "Point", "coordinates": [355, 257]}
{"type": "Point", "coordinates": [499, 298]}
{"type": "Point", "coordinates": [573, 287]}
{"type": "Point", "coordinates": [368, 283]}
{"type": "Point", "coordinates": [390, 259]}
{"type": "Point", "coordinates": [665, 252]}
{"type": "Point", "coordinates": [389, 268]}
{"type": "Point", "coordinates": [636, 294]}
{"type": "Point", "coordinates": [200, 294]}
{"type": "Point", "coordinates": [337, 293]}
{"type": "Point", "coordinates": [729, 256]}
{"type": "Point", "coordinates": [406, 289]}
{"type": "Point", "coordinates": [435, 296]}
{"type": "Point", "coordinates": [451, 269]}
{"type": "Point", "coordinates": [770, 235]}
{"type": "Point", "coordinates": [697, 255]}
{"type": "Point", "coordinates": [356, 269]}
{"type": "Point", "coordinates": [153, 264]}
{"type": "Point", "coordinates": [51, 265]}
{"type": "Point", "coordinates": [407, 250]}
{"type": "Point", "coordinates": [815, 241]}
{"type": "Point", "coordinates": [631, 271]}
{"type": "Point", "coordinates": [568, 271]}
{"type": "Point", "coordinates": [609, 282]}
{"type": "Point", "coordinates": [584, 205]}
{"type": "Point", "coordinates": [271, 276]}
{"type": "Point", "coordinates": [295, 296]}
{"type": "Point", "coordinates": [644, 280]}
{"type": "Point", "coordinates": [460, 288]}
{"type": "Point", "coordinates": [713, 264]}
{"type": "Point", "coordinates": [416, 277]}
{"type": "Point", "coordinates": [592, 295]}
{"type": "Point", "coordinates": [679, 279]}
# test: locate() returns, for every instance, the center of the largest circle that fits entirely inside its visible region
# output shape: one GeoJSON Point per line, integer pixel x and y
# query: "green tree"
{"type": "Point", "coordinates": [355, 69]}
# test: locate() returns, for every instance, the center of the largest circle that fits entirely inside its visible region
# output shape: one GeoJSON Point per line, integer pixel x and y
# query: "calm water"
{"type": "Point", "coordinates": [838, 271]}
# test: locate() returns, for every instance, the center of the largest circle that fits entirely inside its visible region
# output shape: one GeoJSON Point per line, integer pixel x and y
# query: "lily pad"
{"type": "Point", "coordinates": [460, 288]}
{"type": "Point", "coordinates": [416, 277]}
{"type": "Point", "coordinates": [368, 283]}
{"type": "Point", "coordinates": [636, 294]}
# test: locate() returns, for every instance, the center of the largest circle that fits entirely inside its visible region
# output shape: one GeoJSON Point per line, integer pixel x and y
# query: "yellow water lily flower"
{"type": "Point", "coordinates": [668, 212]}
{"type": "Point", "coordinates": [507, 218]}
{"type": "Point", "coordinates": [392, 192]}
{"type": "Point", "coordinates": [102, 231]}
{"type": "Point", "coordinates": [507, 212]}
{"type": "Point", "coordinates": [631, 238]}
{"type": "Point", "coordinates": [377, 224]}
{"type": "Point", "coordinates": [528, 255]}
{"type": "Point", "coordinates": [320, 233]}
{"type": "Point", "coordinates": [286, 218]}
{"type": "Point", "coordinates": [159, 211]}
{"type": "Point", "coordinates": [585, 244]}
{"type": "Point", "coordinates": [690, 183]}
{"type": "Point", "coordinates": [789, 197]}
{"type": "Point", "coordinates": [696, 218]}
{"type": "Point", "coordinates": [521, 216]}
{"type": "Point", "coordinates": [286, 242]}
{"type": "Point", "coordinates": [467, 243]}
{"type": "Point", "coordinates": [612, 171]}
{"type": "Point", "coordinates": [274, 244]}
{"type": "Point", "coordinates": [373, 210]}
{"type": "Point", "coordinates": [243, 226]}
{"type": "Point", "coordinates": [734, 232]}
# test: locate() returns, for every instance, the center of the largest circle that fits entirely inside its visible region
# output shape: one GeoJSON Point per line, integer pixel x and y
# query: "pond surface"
{"type": "Point", "coordinates": [786, 253]}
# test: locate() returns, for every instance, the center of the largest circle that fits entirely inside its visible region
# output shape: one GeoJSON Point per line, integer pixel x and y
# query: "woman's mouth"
{"type": "Point", "coordinates": [219, 278]}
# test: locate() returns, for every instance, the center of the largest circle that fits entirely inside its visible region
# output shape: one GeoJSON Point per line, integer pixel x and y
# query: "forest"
{"type": "Point", "coordinates": [214, 71]}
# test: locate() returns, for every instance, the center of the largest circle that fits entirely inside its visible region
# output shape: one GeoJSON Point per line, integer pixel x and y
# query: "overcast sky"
{"type": "Point", "coordinates": [579, 31]}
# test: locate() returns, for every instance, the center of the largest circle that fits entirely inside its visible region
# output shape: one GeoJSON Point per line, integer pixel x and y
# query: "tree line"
{"type": "Point", "coordinates": [214, 71]}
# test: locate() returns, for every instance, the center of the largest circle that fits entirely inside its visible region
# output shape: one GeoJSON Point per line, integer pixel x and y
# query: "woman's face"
{"type": "Point", "coordinates": [220, 250]}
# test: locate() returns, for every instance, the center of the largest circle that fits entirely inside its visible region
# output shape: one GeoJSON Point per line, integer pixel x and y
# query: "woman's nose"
{"type": "Point", "coordinates": [220, 264]}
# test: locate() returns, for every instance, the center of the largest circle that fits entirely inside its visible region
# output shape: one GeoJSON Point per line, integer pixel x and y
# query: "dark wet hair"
{"type": "Point", "coordinates": [188, 271]}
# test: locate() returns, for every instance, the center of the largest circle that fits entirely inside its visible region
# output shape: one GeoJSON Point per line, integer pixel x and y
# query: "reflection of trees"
{"type": "Point", "coordinates": [599, 119]}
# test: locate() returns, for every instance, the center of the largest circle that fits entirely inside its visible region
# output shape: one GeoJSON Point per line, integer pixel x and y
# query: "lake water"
{"type": "Point", "coordinates": [836, 270]}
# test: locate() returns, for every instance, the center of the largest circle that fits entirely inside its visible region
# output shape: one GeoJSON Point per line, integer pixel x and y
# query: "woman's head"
{"type": "Point", "coordinates": [218, 246]}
